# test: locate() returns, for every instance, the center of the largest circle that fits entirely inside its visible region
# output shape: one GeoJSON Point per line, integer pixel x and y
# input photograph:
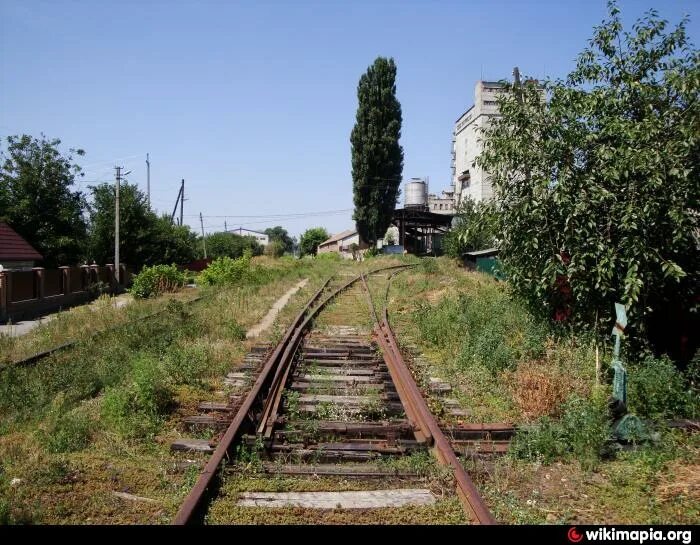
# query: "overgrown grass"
{"type": "Point", "coordinates": [116, 398]}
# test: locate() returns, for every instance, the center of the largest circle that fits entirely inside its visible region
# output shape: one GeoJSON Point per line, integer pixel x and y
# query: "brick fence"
{"type": "Point", "coordinates": [27, 294]}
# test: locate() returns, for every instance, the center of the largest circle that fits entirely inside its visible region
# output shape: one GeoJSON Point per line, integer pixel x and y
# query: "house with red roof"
{"type": "Point", "coordinates": [15, 252]}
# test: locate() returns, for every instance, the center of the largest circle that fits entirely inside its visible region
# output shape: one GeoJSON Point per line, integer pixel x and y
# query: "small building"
{"type": "Point", "coordinates": [261, 238]}
{"type": "Point", "coordinates": [341, 243]}
{"type": "Point", "coordinates": [485, 261]}
{"type": "Point", "coordinates": [15, 252]}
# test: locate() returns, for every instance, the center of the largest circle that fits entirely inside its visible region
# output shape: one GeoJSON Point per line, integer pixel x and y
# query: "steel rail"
{"type": "Point", "coordinates": [193, 500]}
{"type": "Point", "coordinates": [278, 363]}
{"type": "Point", "coordinates": [471, 500]}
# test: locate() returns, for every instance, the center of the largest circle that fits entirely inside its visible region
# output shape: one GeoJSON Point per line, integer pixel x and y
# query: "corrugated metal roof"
{"type": "Point", "coordinates": [14, 248]}
{"type": "Point", "coordinates": [339, 236]}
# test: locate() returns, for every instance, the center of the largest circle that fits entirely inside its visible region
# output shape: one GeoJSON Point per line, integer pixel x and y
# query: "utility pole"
{"type": "Point", "coordinates": [225, 227]}
{"type": "Point", "coordinates": [116, 223]}
{"type": "Point", "coordinates": [182, 199]}
{"type": "Point", "coordinates": [204, 242]}
{"type": "Point", "coordinates": [148, 181]}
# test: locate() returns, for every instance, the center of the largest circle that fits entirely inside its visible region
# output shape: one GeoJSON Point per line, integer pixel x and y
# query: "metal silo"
{"type": "Point", "coordinates": [416, 194]}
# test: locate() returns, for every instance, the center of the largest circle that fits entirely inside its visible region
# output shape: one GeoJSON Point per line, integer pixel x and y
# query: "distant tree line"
{"type": "Point", "coordinates": [38, 200]}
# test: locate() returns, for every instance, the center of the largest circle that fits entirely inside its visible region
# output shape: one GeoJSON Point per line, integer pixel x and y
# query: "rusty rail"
{"type": "Point", "coordinates": [270, 385]}
{"type": "Point", "coordinates": [418, 412]}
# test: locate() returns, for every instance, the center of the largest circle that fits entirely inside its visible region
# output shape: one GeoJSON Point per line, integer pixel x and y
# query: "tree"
{"type": "Point", "coordinates": [274, 248]}
{"type": "Point", "coordinates": [37, 201]}
{"type": "Point", "coordinates": [598, 187]}
{"type": "Point", "coordinates": [377, 157]}
{"type": "Point", "coordinates": [475, 227]}
{"type": "Point", "coordinates": [230, 245]}
{"type": "Point", "coordinates": [280, 234]}
{"type": "Point", "coordinates": [144, 238]}
{"type": "Point", "coordinates": [308, 244]}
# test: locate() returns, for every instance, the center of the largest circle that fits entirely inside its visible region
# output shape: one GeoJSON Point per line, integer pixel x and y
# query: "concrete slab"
{"type": "Point", "coordinates": [364, 499]}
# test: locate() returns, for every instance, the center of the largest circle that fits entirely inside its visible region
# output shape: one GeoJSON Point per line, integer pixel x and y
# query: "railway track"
{"type": "Point", "coordinates": [334, 400]}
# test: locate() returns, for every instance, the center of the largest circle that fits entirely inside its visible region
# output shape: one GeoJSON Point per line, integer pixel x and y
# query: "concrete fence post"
{"type": "Point", "coordinates": [94, 274]}
{"type": "Point", "coordinates": [84, 277]}
{"type": "Point", "coordinates": [110, 275]}
{"type": "Point", "coordinates": [38, 282]}
{"type": "Point", "coordinates": [65, 279]}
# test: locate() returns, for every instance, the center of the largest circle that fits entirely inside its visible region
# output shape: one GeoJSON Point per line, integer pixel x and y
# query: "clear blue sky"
{"type": "Point", "coordinates": [253, 102]}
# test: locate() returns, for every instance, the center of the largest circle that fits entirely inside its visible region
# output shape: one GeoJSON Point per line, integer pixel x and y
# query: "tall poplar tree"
{"type": "Point", "coordinates": [377, 157]}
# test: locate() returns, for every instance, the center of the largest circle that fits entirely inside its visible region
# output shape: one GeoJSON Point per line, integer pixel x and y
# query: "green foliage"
{"type": "Point", "coordinates": [599, 185]}
{"type": "Point", "coordinates": [225, 270]}
{"type": "Point", "coordinates": [37, 201]}
{"type": "Point", "coordinates": [478, 328]}
{"type": "Point", "coordinates": [329, 256]}
{"type": "Point", "coordinates": [68, 431]}
{"type": "Point", "coordinates": [372, 252]}
{"type": "Point", "coordinates": [235, 330]}
{"type": "Point", "coordinates": [582, 433]}
{"type": "Point", "coordinates": [279, 234]}
{"type": "Point", "coordinates": [156, 280]}
{"type": "Point", "coordinates": [377, 156]}
{"type": "Point", "coordinates": [144, 238]}
{"type": "Point", "coordinates": [658, 390]}
{"type": "Point", "coordinates": [135, 408]}
{"type": "Point", "coordinates": [308, 244]}
{"type": "Point", "coordinates": [231, 245]}
{"type": "Point", "coordinates": [275, 248]}
{"type": "Point", "coordinates": [186, 364]}
{"type": "Point", "coordinates": [475, 228]}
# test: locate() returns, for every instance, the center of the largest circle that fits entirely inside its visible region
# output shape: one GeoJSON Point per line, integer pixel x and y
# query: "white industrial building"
{"type": "Point", "coordinates": [467, 178]}
{"type": "Point", "coordinates": [261, 238]}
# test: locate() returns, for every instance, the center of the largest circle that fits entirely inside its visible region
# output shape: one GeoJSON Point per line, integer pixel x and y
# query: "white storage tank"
{"type": "Point", "coordinates": [416, 194]}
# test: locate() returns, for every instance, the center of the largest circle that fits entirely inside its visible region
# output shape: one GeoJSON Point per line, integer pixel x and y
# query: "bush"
{"type": "Point", "coordinates": [275, 248]}
{"type": "Point", "coordinates": [135, 408]}
{"type": "Point", "coordinates": [657, 389]}
{"type": "Point", "coordinates": [225, 270]}
{"type": "Point", "coordinates": [187, 364]}
{"type": "Point", "coordinates": [156, 280]}
{"type": "Point", "coordinates": [581, 433]}
{"type": "Point", "coordinates": [479, 326]}
{"type": "Point", "coordinates": [68, 431]}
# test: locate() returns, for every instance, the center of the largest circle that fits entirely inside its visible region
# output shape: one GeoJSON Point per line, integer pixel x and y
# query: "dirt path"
{"type": "Point", "coordinates": [270, 316]}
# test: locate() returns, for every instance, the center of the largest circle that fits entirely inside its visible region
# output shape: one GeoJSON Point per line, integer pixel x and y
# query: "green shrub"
{"type": "Point", "coordinates": [66, 430]}
{"type": "Point", "coordinates": [236, 331]}
{"type": "Point", "coordinates": [275, 248]}
{"type": "Point", "coordinates": [428, 265]}
{"type": "Point", "coordinates": [225, 270]}
{"type": "Point", "coordinates": [480, 328]}
{"type": "Point", "coordinates": [187, 364]}
{"type": "Point", "coordinates": [156, 280]}
{"type": "Point", "coordinates": [135, 408]}
{"type": "Point", "coordinates": [657, 389]}
{"type": "Point", "coordinates": [581, 433]}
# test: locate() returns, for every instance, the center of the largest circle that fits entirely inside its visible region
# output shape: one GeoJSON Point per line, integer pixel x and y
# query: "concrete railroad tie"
{"type": "Point", "coordinates": [365, 499]}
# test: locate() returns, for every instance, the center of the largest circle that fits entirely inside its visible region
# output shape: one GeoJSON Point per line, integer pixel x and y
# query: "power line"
{"type": "Point", "coordinates": [279, 216]}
